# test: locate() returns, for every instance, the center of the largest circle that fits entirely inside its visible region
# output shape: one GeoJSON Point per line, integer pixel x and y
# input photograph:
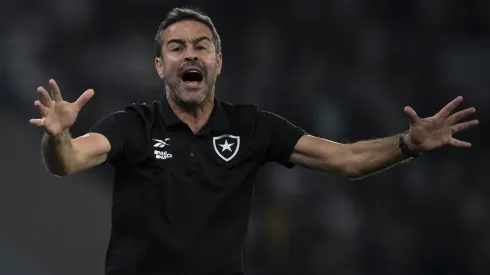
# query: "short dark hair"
{"type": "Point", "coordinates": [181, 14]}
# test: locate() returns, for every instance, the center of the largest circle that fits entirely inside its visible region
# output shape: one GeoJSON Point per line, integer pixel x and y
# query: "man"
{"type": "Point", "coordinates": [185, 165]}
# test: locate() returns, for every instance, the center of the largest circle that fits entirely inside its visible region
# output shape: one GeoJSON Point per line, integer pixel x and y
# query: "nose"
{"type": "Point", "coordinates": [191, 58]}
{"type": "Point", "coordinates": [190, 55]}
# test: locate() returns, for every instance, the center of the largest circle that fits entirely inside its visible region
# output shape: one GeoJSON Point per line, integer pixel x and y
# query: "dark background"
{"type": "Point", "coordinates": [341, 69]}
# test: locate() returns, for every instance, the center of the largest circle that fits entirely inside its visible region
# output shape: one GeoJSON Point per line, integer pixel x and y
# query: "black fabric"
{"type": "Point", "coordinates": [283, 136]}
{"type": "Point", "coordinates": [122, 129]}
{"type": "Point", "coordinates": [181, 201]}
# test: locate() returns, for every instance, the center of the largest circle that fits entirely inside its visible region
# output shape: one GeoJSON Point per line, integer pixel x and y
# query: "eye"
{"type": "Point", "coordinates": [200, 48]}
{"type": "Point", "coordinates": [177, 49]}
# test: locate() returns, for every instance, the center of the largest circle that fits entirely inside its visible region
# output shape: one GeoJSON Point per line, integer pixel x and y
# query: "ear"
{"type": "Point", "coordinates": [159, 67]}
{"type": "Point", "coordinates": [219, 60]}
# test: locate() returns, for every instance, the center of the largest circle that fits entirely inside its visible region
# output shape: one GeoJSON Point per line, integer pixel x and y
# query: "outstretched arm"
{"type": "Point", "coordinates": [350, 160]}
{"type": "Point", "coordinates": [365, 158]}
{"type": "Point", "coordinates": [61, 154]}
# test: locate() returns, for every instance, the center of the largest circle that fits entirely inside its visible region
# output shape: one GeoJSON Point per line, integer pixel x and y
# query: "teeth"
{"type": "Point", "coordinates": [193, 71]}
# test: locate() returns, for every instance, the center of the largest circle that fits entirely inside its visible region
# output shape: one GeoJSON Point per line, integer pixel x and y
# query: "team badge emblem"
{"type": "Point", "coordinates": [226, 146]}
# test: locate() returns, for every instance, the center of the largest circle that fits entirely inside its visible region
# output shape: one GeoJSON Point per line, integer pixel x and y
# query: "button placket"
{"type": "Point", "coordinates": [193, 150]}
{"type": "Point", "coordinates": [192, 160]}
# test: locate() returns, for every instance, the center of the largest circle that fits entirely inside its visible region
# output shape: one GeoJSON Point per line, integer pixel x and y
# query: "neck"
{"type": "Point", "coordinates": [195, 116]}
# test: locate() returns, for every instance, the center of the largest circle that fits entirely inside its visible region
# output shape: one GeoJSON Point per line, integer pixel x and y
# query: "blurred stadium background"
{"type": "Point", "coordinates": [341, 69]}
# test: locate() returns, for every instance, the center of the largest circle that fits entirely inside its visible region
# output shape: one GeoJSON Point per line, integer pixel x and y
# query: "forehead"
{"type": "Point", "coordinates": [186, 30]}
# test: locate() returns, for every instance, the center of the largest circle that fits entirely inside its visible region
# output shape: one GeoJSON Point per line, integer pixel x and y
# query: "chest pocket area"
{"type": "Point", "coordinates": [231, 158]}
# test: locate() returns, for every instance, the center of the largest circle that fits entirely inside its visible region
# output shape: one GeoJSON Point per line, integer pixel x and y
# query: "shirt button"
{"type": "Point", "coordinates": [192, 154]}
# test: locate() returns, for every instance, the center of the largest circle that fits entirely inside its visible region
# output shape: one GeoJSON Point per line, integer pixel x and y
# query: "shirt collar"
{"type": "Point", "coordinates": [218, 121]}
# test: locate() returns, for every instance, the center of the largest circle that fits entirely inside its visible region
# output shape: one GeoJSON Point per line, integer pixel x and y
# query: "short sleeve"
{"type": "Point", "coordinates": [119, 129]}
{"type": "Point", "coordinates": [282, 138]}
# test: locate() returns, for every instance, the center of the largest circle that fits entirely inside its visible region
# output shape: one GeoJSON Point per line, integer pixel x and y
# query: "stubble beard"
{"type": "Point", "coordinates": [186, 101]}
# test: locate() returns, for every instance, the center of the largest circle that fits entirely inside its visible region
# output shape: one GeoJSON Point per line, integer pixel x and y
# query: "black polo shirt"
{"type": "Point", "coordinates": [181, 201]}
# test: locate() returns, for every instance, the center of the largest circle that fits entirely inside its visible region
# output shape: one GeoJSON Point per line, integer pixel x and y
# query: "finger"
{"type": "Point", "coordinates": [412, 115]}
{"type": "Point", "coordinates": [459, 143]}
{"type": "Point", "coordinates": [84, 98]}
{"type": "Point", "coordinates": [55, 91]}
{"type": "Point", "coordinates": [37, 122]}
{"type": "Point", "coordinates": [460, 115]}
{"type": "Point", "coordinates": [465, 125]}
{"type": "Point", "coordinates": [449, 108]}
{"type": "Point", "coordinates": [41, 108]}
{"type": "Point", "coordinates": [45, 98]}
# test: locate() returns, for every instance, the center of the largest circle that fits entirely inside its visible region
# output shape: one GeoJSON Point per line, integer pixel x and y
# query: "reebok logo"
{"type": "Point", "coordinates": [161, 143]}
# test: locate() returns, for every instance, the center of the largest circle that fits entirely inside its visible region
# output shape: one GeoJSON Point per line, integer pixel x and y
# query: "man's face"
{"type": "Point", "coordinates": [189, 63]}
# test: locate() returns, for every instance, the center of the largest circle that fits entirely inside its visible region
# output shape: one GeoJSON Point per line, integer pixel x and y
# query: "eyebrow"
{"type": "Point", "coordinates": [182, 41]}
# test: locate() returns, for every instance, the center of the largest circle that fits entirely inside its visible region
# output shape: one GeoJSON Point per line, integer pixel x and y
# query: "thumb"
{"type": "Point", "coordinates": [84, 98]}
{"type": "Point", "coordinates": [412, 115]}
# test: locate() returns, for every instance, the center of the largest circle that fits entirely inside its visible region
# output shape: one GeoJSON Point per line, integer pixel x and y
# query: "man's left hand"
{"type": "Point", "coordinates": [430, 133]}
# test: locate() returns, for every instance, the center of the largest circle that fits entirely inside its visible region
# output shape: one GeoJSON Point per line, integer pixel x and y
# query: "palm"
{"type": "Point", "coordinates": [61, 117]}
{"type": "Point", "coordinates": [58, 115]}
{"type": "Point", "coordinates": [433, 132]}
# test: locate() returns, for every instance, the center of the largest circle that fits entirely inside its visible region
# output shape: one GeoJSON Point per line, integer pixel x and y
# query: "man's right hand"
{"type": "Point", "coordinates": [58, 115]}
{"type": "Point", "coordinates": [63, 155]}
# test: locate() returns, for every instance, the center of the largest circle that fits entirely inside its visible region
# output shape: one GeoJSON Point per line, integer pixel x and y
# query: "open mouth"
{"type": "Point", "coordinates": [192, 77]}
